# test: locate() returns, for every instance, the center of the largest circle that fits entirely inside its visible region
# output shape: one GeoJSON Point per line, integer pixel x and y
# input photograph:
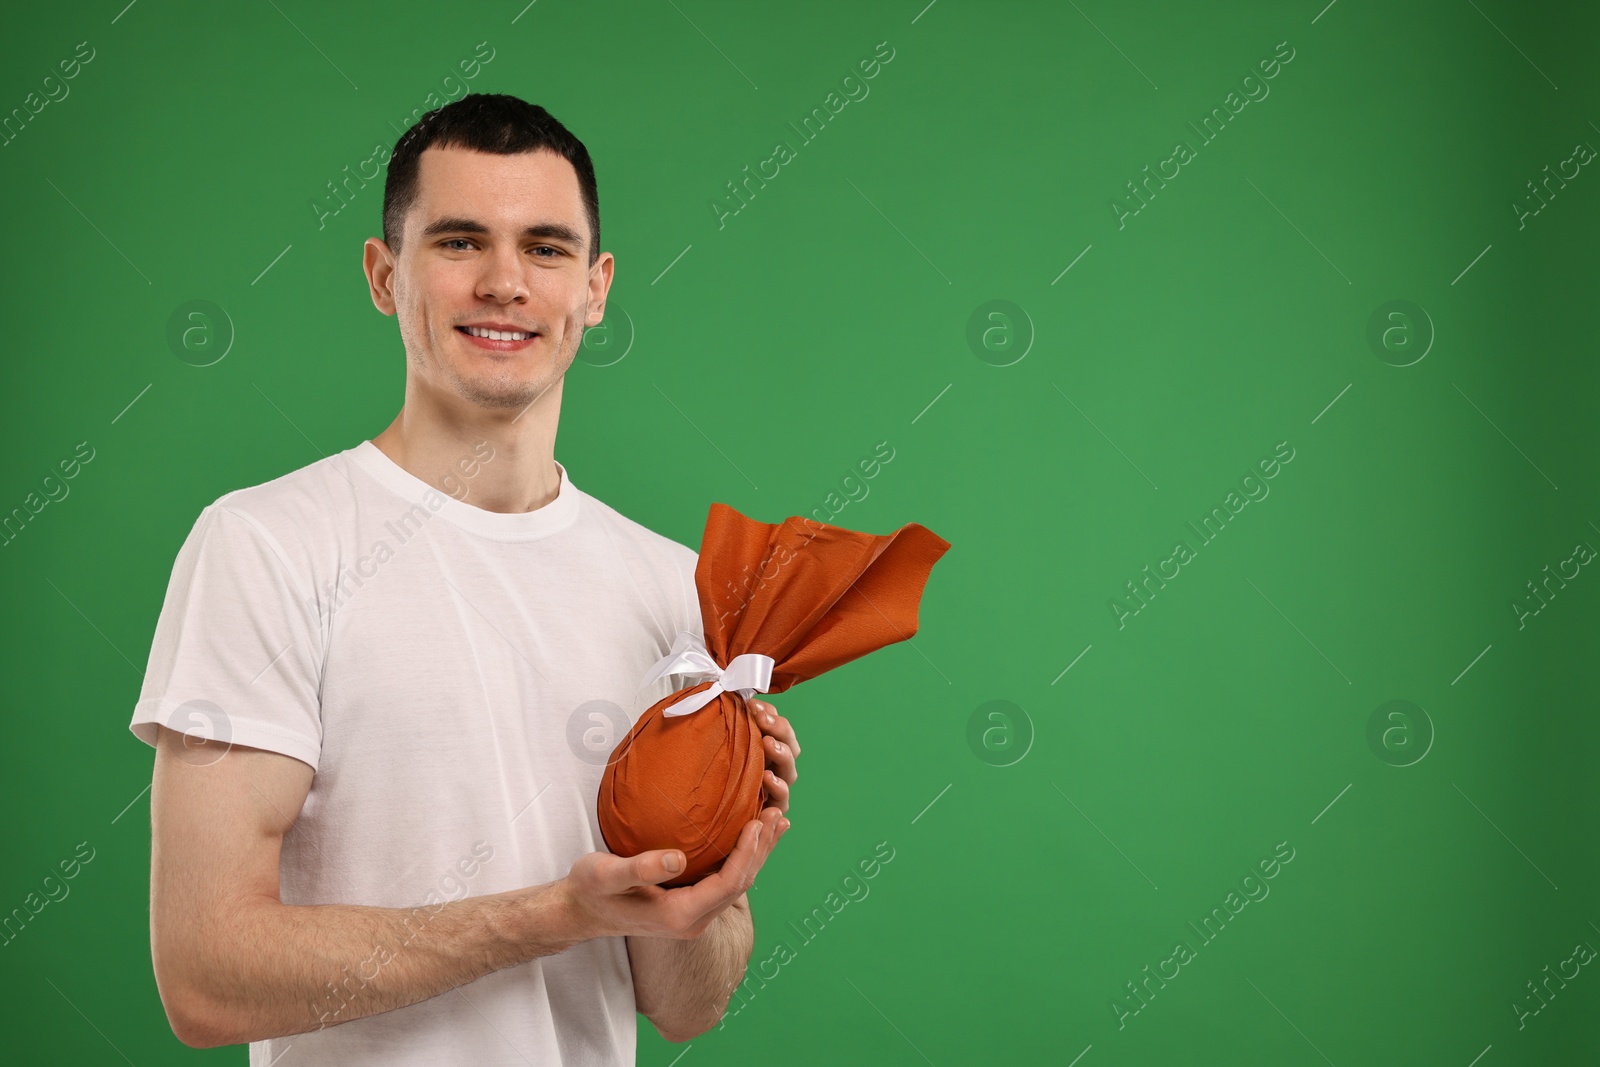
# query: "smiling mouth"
{"type": "Point", "coordinates": [497, 335]}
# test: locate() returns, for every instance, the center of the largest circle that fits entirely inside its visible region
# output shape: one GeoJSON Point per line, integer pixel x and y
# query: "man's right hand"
{"type": "Point", "coordinates": [620, 895]}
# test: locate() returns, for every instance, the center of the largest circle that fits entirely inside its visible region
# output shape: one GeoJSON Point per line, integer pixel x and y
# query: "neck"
{"type": "Point", "coordinates": [497, 460]}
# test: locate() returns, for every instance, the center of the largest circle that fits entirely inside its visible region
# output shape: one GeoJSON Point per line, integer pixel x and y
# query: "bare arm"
{"type": "Point", "coordinates": [683, 986]}
{"type": "Point", "coordinates": [235, 964]}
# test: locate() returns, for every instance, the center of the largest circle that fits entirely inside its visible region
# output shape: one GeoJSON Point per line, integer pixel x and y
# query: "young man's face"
{"type": "Point", "coordinates": [491, 241]}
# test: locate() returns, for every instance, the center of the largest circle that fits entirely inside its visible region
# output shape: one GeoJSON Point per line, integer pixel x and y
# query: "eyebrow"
{"type": "Point", "coordinates": [557, 230]}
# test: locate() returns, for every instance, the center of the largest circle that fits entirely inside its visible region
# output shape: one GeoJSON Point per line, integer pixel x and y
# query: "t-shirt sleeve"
{"type": "Point", "coordinates": [237, 651]}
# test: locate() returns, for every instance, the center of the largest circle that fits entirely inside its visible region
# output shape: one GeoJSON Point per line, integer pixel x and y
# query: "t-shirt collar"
{"type": "Point", "coordinates": [557, 515]}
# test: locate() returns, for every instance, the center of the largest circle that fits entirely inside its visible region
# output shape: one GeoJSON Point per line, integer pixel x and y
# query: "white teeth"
{"type": "Point", "coordinates": [498, 335]}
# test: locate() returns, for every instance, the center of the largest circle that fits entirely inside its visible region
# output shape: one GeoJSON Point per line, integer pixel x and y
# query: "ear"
{"type": "Point", "coordinates": [599, 285]}
{"type": "Point", "coordinates": [379, 263]}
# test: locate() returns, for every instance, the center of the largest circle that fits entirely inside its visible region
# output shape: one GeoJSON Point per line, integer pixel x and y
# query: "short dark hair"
{"type": "Point", "coordinates": [484, 122]}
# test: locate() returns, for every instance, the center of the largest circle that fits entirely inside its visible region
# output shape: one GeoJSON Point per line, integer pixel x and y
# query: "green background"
{"type": "Point", "coordinates": [1037, 870]}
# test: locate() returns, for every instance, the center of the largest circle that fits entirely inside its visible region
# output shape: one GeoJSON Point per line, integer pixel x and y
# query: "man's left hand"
{"type": "Point", "coordinates": [781, 750]}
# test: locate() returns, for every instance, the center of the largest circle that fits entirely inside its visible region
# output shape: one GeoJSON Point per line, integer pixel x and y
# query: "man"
{"type": "Point", "coordinates": [401, 670]}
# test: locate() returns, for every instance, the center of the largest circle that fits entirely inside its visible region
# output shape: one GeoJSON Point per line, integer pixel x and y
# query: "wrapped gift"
{"type": "Point", "coordinates": [780, 604]}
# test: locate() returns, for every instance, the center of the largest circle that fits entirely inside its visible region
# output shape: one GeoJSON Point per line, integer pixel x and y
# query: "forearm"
{"type": "Point", "coordinates": [273, 970]}
{"type": "Point", "coordinates": [683, 986]}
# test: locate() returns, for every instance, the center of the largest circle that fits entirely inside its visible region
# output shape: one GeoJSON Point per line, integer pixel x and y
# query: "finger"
{"type": "Point", "coordinates": [746, 859]}
{"type": "Point", "coordinates": [780, 757]}
{"type": "Point", "coordinates": [770, 818]}
{"type": "Point", "coordinates": [738, 871]}
{"type": "Point", "coordinates": [771, 836]}
{"type": "Point", "coordinates": [775, 725]}
{"type": "Point", "coordinates": [776, 789]}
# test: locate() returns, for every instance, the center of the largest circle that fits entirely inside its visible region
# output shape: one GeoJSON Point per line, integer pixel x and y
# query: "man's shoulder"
{"type": "Point", "coordinates": [658, 564]}
{"type": "Point", "coordinates": [642, 537]}
{"type": "Point", "coordinates": [294, 509]}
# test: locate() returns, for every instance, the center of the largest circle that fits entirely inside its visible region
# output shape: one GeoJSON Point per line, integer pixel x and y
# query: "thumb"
{"type": "Point", "coordinates": [657, 865]}
{"type": "Point", "coordinates": [610, 873]}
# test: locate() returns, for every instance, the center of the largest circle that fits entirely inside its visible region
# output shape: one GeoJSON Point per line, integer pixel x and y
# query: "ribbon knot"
{"type": "Point", "coordinates": [745, 674]}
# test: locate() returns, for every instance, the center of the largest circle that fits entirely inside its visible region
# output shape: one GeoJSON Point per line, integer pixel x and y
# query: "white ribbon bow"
{"type": "Point", "coordinates": [745, 674]}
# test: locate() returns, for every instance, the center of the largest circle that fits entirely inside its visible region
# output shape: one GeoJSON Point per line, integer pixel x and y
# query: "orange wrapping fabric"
{"type": "Point", "coordinates": [810, 595]}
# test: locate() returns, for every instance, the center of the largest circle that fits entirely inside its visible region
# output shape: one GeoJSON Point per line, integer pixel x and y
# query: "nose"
{"type": "Point", "coordinates": [503, 279]}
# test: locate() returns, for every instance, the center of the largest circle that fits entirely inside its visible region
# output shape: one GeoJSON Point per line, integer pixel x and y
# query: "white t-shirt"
{"type": "Point", "coordinates": [457, 678]}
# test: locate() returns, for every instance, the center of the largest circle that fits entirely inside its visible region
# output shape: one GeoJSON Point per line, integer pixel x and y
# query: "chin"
{"type": "Point", "coordinates": [501, 395]}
